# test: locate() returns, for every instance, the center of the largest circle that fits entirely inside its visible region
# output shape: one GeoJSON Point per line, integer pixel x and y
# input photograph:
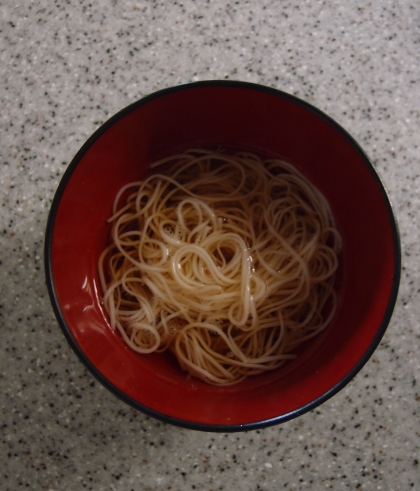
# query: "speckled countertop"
{"type": "Point", "coordinates": [65, 67]}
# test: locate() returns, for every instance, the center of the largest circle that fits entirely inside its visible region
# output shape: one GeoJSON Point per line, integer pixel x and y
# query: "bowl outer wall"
{"type": "Point", "coordinates": [245, 116]}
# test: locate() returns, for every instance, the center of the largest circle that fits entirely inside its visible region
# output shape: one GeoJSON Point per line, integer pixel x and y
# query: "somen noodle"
{"type": "Point", "coordinates": [227, 260]}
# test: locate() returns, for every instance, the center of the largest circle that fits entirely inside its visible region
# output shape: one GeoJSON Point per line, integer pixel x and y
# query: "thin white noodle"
{"type": "Point", "coordinates": [228, 260]}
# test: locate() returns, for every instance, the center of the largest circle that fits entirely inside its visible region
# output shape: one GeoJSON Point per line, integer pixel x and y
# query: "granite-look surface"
{"type": "Point", "coordinates": [65, 67]}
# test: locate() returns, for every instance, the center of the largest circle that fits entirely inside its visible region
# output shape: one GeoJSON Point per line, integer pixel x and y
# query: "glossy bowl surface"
{"type": "Point", "coordinates": [245, 116]}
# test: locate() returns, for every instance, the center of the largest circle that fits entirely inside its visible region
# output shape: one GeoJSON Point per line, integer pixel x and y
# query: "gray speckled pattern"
{"type": "Point", "coordinates": [65, 67]}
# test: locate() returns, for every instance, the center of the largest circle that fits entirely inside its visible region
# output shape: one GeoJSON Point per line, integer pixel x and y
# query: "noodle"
{"type": "Point", "coordinates": [226, 260]}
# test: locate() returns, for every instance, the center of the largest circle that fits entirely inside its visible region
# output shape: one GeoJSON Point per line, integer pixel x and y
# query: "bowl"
{"type": "Point", "coordinates": [246, 116]}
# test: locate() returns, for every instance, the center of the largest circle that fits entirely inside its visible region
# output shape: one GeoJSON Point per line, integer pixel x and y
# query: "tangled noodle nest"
{"type": "Point", "coordinates": [228, 260]}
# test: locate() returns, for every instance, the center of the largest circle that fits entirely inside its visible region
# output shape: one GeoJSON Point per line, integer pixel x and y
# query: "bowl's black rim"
{"type": "Point", "coordinates": [201, 426]}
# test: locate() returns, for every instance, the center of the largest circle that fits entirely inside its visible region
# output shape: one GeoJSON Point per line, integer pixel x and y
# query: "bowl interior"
{"type": "Point", "coordinates": [243, 116]}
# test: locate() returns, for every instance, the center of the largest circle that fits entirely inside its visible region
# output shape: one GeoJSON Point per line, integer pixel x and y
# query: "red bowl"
{"type": "Point", "coordinates": [266, 121]}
